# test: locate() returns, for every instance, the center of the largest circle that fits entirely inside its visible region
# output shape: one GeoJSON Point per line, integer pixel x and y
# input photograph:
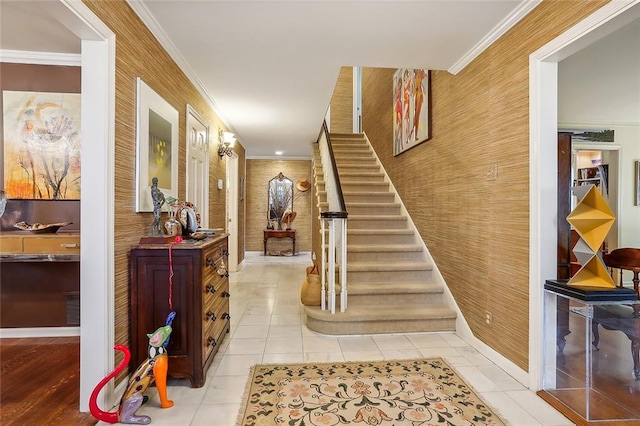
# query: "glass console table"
{"type": "Point", "coordinates": [593, 373]}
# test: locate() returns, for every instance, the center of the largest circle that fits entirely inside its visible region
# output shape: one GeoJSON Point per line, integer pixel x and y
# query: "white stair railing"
{"type": "Point", "coordinates": [335, 220]}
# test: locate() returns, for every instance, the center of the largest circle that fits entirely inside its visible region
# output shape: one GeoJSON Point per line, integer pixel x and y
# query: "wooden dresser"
{"type": "Point", "coordinates": [200, 299]}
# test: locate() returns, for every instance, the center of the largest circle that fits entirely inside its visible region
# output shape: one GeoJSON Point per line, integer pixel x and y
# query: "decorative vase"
{"type": "Point", "coordinates": [172, 225]}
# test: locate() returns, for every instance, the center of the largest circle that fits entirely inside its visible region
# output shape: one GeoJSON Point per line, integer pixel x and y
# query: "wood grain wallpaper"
{"type": "Point", "coordinates": [259, 173]}
{"type": "Point", "coordinates": [138, 54]}
{"type": "Point", "coordinates": [341, 113]}
{"type": "Point", "coordinates": [476, 225]}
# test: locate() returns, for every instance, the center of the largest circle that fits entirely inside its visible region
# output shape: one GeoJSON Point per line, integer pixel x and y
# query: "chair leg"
{"type": "Point", "coordinates": [635, 353]}
{"type": "Point", "coordinates": [596, 334]}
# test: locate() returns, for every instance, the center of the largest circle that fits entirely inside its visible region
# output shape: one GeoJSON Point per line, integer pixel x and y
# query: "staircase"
{"type": "Point", "coordinates": [390, 282]}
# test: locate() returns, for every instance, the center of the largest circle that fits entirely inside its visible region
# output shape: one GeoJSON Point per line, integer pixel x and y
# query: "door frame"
{"type": "Point", "coordinates": [543, 128]}
{"type": "Point", "coordinates": [203, 208]}
{"type": "Point", "coordinates": [232, 226]}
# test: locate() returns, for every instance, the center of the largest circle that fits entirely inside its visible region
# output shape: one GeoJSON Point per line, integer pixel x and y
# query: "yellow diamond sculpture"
{"type": "Point", "coordinates": [592, 219]}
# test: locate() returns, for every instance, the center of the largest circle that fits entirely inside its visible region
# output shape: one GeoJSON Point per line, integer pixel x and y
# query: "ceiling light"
{"type": "Point", "coordinates": [278, 152]}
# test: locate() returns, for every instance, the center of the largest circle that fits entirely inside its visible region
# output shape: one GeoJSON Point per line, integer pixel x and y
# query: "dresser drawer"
{"type": "Point", "coordinates": [213, 331]}
{"type": "Point", "coordinates": [10, 244]}
{"type": "Point", "coordinates": [213, 311]}
{"type": "Point", "coordinates": [57, 245]}
{"type": "Point", "coordinates": [40, 244]}
{"type": "Point", "coordinates": [214, 288]}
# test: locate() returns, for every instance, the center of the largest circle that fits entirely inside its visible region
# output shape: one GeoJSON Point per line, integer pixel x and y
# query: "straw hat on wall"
{"type": "Point", "coordinates": [303, 185]}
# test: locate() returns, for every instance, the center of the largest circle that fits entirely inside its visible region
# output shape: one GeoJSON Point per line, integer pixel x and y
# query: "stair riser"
{"type": "Point", "coordinates": [376, 224]}
{"type": "Point", "coordinates": [390, 209]}
{"type": "Point", "coordinates": [375, 239]}
{"type": "Point", "coordinates": [352, 152]}
{"type": "Point", "coordinates": [345, 140]}
{"type": "Point", "coordinates": [390, 276]}
{"type": "Point", "coordinates": [370, 187]}
{"type": "Point", "coordinates": [380, 256]}
{"type": "Point", "coordinates": [361, 178]}
{"type": "Point", "coordinates": [380, 327]}
{"type": "Point", "coordinates": [354, 159]}
{"type": "Point", "coordinates": [383, 197]}
{"type": "Point", "coordinates": [355, 168]}
{"type": "Point", "coordinates": [394, 299]}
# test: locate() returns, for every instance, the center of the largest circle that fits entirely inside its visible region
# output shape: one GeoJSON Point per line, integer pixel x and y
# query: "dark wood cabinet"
{"type": "Point", "coordinates": [200, 296]}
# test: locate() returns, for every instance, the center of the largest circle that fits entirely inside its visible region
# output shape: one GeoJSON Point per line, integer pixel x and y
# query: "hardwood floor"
{"type": "Point", "coordinates": [39, 382]}
{"type": "Point", "coordinates": [615, 392]}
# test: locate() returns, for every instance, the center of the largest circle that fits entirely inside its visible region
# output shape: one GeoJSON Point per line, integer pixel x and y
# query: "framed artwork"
{"type": "Point", "coordinates": [41, 145]}
{"type": "Point", "coordinates": [411, 108]}
{"type": "Point", "coordinates": [157, 147]}
{"type": "Point", "coordinates": [636, 184]}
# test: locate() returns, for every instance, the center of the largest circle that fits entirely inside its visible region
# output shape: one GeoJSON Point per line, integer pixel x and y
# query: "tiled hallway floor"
{"type": "Point", "coordinates": [267, 326]}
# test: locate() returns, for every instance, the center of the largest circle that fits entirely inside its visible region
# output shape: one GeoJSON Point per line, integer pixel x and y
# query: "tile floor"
{"type": "Point", "coordinates": [267, 326]}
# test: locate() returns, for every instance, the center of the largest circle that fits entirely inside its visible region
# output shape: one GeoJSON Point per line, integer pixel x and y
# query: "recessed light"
{"type": "Point", "coordinates": [278, 152]}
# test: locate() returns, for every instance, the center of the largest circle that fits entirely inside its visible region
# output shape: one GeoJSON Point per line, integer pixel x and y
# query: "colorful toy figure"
{"type": "Point", "coordinates": [154, 368]}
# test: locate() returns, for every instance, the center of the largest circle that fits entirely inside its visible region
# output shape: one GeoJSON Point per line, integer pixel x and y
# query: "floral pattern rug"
{"type": "Point", "coordinates": [416, 392]}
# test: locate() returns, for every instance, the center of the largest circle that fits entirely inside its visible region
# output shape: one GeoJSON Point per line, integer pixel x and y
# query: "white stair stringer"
{"type": "Point", "coordinates": [393, 283]}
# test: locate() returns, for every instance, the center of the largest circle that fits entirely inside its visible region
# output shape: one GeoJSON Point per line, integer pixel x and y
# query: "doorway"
{"type": "Point", "coordinates": [543, 73]}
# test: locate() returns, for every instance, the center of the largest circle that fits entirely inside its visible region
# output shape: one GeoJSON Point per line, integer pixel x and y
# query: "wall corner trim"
{"type": "Point", "coordinates": [496, 32]}
{"type": "Point", "coordinates": [156, 29]}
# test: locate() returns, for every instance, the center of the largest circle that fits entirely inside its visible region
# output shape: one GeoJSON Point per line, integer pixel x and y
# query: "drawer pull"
{"type": "Point", "coordinates": [226, 274]}
{"type": "Point", "coordinates": [210, 288]}
{"type": "Point", "coordinates": [224, 252]}
{"type": "Point", "coordinates": [69, 245]}
{"type": "Point", "coordinates": [226, 294]}
{"type": "Point", "coordinates": [212, 342]}
{"type": "Point", "coordinates": [226, 316]}
{"type": "Point", "coordinates": [210, 262]}
{"type": "Point", "coordinates": [211, 316]}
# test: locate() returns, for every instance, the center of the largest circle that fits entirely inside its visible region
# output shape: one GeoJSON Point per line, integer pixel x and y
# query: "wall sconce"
{"type": "Point", "coordinates": [225, 147]}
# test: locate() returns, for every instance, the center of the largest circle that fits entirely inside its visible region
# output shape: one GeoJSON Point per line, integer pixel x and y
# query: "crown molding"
{"type": "Point", "coordinates": [156, 29]}
{"type": "Point", "coordinates": [40, 58]}
{"type": "Point", "coordinates": [278, 157]}
{"type": "Point", "coordinates": [498, 31]}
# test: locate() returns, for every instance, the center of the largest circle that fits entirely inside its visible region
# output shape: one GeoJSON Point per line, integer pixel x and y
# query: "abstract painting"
{"type": "Point", "coordinates": [157, 146]}
{"type": "Point", "coordinates": [411, 108]}
{"type": "Point", "coordinates": [41, 145]}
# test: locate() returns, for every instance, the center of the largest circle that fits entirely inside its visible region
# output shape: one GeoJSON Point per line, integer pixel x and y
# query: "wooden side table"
{"type": "Point", "coordinates": [272, 233]}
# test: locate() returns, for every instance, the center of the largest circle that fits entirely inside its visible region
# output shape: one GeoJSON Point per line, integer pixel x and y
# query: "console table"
{"type": "Point", "coordinates": [576, 382]}
{"type": "Point", "coordinates": [272, 233]}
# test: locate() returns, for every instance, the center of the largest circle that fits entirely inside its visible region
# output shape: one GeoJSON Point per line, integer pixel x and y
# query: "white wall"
{"type": "Point", "coordinates": [598, 88]}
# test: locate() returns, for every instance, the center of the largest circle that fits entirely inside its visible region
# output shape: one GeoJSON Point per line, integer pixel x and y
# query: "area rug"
{"type": "Point", "coordinates": [417, 392]}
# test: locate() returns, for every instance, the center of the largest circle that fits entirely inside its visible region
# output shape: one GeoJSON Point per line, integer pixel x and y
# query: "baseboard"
{"type": "Point", "coordinates": [11, 333]}
{"type": "Point", "coordinates": [508, 366]}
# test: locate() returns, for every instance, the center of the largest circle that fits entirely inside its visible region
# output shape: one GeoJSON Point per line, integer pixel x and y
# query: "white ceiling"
{"type": "Point", "coordinates": [270, 66]}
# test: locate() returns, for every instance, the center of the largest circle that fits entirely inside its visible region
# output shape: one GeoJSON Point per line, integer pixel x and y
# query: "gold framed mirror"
{"type": "Point", "coordinates": [279, 198]}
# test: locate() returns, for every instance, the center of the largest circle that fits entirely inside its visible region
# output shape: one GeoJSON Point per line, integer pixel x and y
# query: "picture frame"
{"type": "Point", "coordinates": [636, 201]}
{"type": "Point", "coordinates": [41, 145]}
{"type": "Point", "coordinates": [157, 143]}
{"type": "Point", "coordinates": [411, 108]}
